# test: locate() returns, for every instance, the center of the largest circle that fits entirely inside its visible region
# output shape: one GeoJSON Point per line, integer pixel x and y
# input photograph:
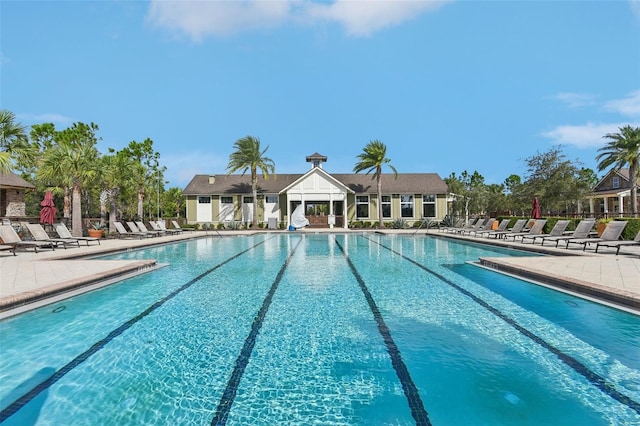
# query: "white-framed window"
{"type": "Point", "coordinates": [406, 205]}
{"type": "Point", "coordinates": [226, 200]}
{"type": "Point", "coordinates": [428, 205]}
{"type": "Point", "coordinates": [616, 182]}
{"type": "Point", "coordinates": [362, 206]}
{"type": "Point", "coordinates": [204, 200]}
{"type": "Point", "coordinates": [271, 199]}
{"type": "Point", "coordinates": [386, 206]}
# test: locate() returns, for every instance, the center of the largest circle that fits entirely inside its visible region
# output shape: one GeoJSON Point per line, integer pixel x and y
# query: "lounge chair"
{"type": "Point", "coordinates": [176, 226]}
{"type": "Point", "coordinates": [487, 226]}
{"type": "Point", "coordinates": [11, 238]}
{"type": "Point", "coordinates": [557, 230]}
{"type": "Point", "coordinates": [582, 231]}
{"type": "Point", "coordinates": [619, 244]}
{"type": "Point", "coordinates": [142, 228]}
{"type": "Point", "coordinates": [611, 233]}
{"type": "Point", "coordinates": [478, 223]}
{"type": "Point", "coordinates": [159, 226]}
{"type": "Point", "coordinates": [123, 233]}
{"type": "Point", "coordinates": [134, 229]}
{"type": "Point", "coordinates": [63, 232]}
{"type": "Point", "coordinates": [517, 228]}
{"type": "Point", "coordinates": [39, 234]}
{"type": "Point", "coordinates": [502, 226]}
{"type": "Point", "coordinates": [536, 229]}
{"type": "Point", "coordinates": [11, 248]}
{"type": "Point", "coordinates": [457, 225]}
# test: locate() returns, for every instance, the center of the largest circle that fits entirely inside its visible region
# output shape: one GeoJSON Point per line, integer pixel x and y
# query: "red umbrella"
{"type": "Point", "coordinates": [48, 211]}
{"type": "Point", "coordinates": [535, 211]}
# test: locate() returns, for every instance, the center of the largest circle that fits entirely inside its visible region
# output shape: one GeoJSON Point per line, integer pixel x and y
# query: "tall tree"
{"type": "Point", "coordinates": [144, 169]}
{"type": "Point", "coordinates": [247, 156]}
{"type": "Point", "coordinates": [371, 160]}
{"type": "Point", "coordinates": [13, 140]}
{"type": "Point", "coordinates": [622, 149]}
{"type": "Point", "coordinates": [469, 191]}
{"type": "Point", "coordinates": [72, 163]}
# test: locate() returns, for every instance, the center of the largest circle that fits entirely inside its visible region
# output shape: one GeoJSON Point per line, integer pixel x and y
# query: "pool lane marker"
{"type": "Point", "coordinates": [229, 394]}
{"type": "Point", "coordinates": [411, 392]}
{"type": "Point", "coordinates": [593, 377]}
{"type": "Point", "coordinates": [59, 374]}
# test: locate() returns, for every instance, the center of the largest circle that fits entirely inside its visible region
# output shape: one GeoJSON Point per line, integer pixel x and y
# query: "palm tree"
{"type": "Point", "coordinates": [373, 157]}
{"type": "Point", "coordinates": [247, 156]}
{"type": "Point", "coordinates": [13, 140]}
{"type": "Point", "coordinates": [623, 148]}
{"type": "Point", "coordinates": [71, 163]}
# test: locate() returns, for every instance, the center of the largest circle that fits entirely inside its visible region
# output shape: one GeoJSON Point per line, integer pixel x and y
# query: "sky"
{"type": "Point", "coordinates": [447, 86]}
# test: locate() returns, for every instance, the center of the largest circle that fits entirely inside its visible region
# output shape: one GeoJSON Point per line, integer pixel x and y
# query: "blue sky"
{"type": "Point", "coordinates": [447, 86]}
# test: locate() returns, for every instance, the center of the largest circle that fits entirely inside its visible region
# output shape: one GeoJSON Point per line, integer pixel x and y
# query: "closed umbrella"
{"type": "Point", "coordinates": [535, 211]}
{"type": "Point", "coordinates": [48, 211]}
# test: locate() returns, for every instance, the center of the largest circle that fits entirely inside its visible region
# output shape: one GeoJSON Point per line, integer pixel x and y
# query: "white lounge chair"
{"type": "Point", "coordinates": [142, 228]}
{"type": "Point", "coordinates": [11, 238]}
{"type": "Point", "coordinates": [39, 234]}
{"type": "Point", "coordinates": [63, 232]}
{"type": "Point", "coordinates": [123, 233]}
{"type": "Point", "coordinates": [517, 228]}
{"type": "Point", "coordinates": [176, 226]}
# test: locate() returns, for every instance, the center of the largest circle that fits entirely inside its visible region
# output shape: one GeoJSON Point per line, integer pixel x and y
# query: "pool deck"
{"type": "Point", "coordinates": [30, 277]}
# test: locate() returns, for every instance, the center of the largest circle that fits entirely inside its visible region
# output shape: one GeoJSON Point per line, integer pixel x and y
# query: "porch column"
{"type": "Point", "coordinates": [592, 208]}
{"type": "Point", "coordinates": [621, 204]}
{"type": "Point", "coordinates": [606, 204]}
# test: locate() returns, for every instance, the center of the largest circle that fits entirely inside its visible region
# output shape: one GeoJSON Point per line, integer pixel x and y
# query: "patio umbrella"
{"type": "Point", "coordinates": [535, 211]}
{"type": "Point", "coordinates": [48, 210]}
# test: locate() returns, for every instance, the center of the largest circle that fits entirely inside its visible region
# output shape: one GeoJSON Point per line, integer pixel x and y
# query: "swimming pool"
{"type": "Point", "coordinates": [321, 329]}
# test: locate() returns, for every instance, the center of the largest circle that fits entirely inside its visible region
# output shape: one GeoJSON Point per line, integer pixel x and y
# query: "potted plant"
{"type": "Point", "coordinates": [97, 230]}
{"type": "Point", "coordinates": [601, 225]}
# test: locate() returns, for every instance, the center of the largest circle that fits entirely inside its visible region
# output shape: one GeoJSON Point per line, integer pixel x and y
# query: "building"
{"type": "Point", "coordinates": [330, 200]}
{"type": "Point", "coordinates": [612, 194]}
{"type": "Point", "coordinates": [12, 190]}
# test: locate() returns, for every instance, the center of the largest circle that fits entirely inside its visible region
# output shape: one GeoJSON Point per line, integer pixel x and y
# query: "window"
{"type": "Point", "coordinates": [272, 199]}
{"type": "Point", "coordinates": [204, 200]}
{"type": "Point", "coordinates": [428, 206]}
{"type": "Point", "coordinates": [247, 200]}
{"type": "Point", "coordinates": [386, 206]}
{"type": "Point", "coordinates": [616, 182]}
{"type": "Point", "coordinates": [406, 205]}
{"type": "Point", "coordinates": [362, 206]}
{"type": "Point", "coordinates": [226, 200]}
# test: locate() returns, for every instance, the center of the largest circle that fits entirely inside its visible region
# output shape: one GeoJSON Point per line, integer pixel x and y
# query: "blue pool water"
{"type": "Point", "coordinates": [325, 329]}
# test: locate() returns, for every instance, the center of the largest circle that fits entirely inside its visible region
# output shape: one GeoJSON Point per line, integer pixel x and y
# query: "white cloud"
{"type": "Point", "coordinates": [635, 7]}
{"type": "Point", "coordinates": [45, 118]}
{"type": "Point", "coordinates": [575, 100]}
{"type": "Point", "coordinates": [200, 19]}
{"type": "Point", "coordinates": [627, 106]}
{"type": "Point", "coordinates": [588, 135]}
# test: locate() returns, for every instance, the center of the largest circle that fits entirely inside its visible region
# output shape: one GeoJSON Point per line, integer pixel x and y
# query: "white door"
{"type": "Point", "coordinates": [204, 213]}
{"type": "Point", "coordinates": [226, 209]}
{"type": "Point", "coordinates": [247, 209]}
{"type": "Point", "coordinates": [271, 208]}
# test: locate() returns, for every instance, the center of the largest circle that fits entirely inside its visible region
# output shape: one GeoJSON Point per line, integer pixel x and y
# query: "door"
{"type": "Point", "coordinates": [247, 209]}
{"type": "Point", "coordinates": [204, 213]}
{"type": "Point", "coordinates": [226, 209]}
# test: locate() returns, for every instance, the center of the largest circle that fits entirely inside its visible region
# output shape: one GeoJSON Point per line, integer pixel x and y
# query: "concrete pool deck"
{"type": "Point", "coordinates": [32, 277]}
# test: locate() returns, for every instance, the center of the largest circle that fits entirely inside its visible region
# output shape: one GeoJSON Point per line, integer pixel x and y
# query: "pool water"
{"type": "Point", "coordinates": [328, 329]}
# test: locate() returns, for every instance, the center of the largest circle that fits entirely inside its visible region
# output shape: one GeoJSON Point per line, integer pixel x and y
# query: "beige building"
{"type": "Point", "coordinates": [612, 194]}
{"type": "Point", "coordinates": [329, 200]}
{"type": "Point", "coordinates": [12, 190]}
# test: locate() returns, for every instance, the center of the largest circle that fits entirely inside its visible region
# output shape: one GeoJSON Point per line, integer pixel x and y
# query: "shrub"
{"type": "Point", "coordinates": [398, 224]}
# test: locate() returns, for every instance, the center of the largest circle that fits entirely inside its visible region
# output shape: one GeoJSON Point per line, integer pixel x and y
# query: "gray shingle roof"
{"type": "Point", "coordinates": [12, 180]}
{"type": "Point", "coordinates": [406, 183]}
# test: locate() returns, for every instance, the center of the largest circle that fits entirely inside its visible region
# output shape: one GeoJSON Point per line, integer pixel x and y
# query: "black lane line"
{"type": "Point", "coordinates": [31, 394]}
{"type": "Point", "coordinates": [229, 394]}
{"type": "Point", "coordinates": [411, 392]}
{"type": "Point", "coordinates": [597, 380]}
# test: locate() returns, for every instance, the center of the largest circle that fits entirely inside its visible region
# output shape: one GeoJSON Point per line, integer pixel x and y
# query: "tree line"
{"type": "Point", "coordinates": [123, 182]}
